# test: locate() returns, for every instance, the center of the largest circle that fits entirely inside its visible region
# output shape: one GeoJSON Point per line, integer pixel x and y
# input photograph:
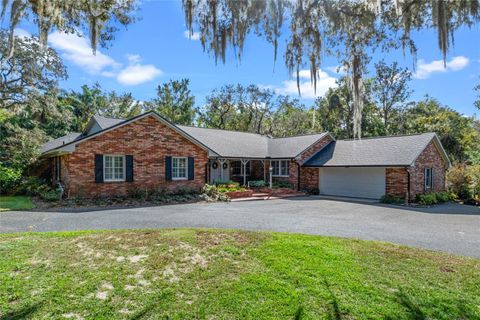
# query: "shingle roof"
{"type": "Point", "coordinates": [60, 141]}
{"type": "Point", "coordinates": [250, 145]}
{"type": "Point", "coordinates": [383, 151]}
{"type": "Point", "coordinates": [104, 122]}
{"type": "Point", "coordinates": [230, 143]}
{"type": "Point", "coordinates": [291, 147]}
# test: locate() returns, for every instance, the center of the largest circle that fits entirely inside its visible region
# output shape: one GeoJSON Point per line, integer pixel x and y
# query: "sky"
{"type": "Point", "coordinates": [158, 48]}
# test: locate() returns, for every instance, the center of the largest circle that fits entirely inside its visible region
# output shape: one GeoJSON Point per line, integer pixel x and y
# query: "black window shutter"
{"type": "Point", "coordinates": [168, 168]}
{"type": "Point", "coordinates": [129, 168]}
{"type": "Point", "coordinates": [99, 168]}
{"type": "Point", "coordinates": [191, 168]}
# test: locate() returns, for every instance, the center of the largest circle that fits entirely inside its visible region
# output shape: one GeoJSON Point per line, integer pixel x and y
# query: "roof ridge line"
{"type": "Point", "coordinates": [394, 136]}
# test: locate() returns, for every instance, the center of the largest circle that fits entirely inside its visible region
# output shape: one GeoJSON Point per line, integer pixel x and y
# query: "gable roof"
{"type": "Point", "coordinates": [235, 144]}
{"type": "Point", "coordinates": [70, 146]}
{"type": "Point", "coordinates": [59, 142]}
{"type": "Point", "coordinates": [98, 123]}
{"type": "Point", "coordinates": [381, 152]}
{"type": "Point", "coordinates": [221, 143]}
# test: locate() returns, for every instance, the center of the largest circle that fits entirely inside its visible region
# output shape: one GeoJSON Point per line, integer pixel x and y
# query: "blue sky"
{"type": "Point", "coordinates": [156, 49]}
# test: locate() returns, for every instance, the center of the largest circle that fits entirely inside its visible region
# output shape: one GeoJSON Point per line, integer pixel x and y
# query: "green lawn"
{"type": "Point", "coordinates": [200, 274]}
{"type": "Point", "coordinates": [15, 203]}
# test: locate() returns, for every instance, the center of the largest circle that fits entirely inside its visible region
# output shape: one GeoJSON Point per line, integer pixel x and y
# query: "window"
{"type": "Point", "coordinates": [280, 168]}
{"type": "Point", "coordinates": [237, 168]}
{"type": "Point", "coordinates": [179, 168]}
{"type": "Point", "coordinates": [428, 178]}
{"type": "Point", "coordinates": [114, 168]}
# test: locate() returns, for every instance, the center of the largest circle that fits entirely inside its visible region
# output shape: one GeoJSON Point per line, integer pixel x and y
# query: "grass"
{"type": "Point", "coordinates": [199, 274]}
{"type": "Point", "coordinates": [8, 203]}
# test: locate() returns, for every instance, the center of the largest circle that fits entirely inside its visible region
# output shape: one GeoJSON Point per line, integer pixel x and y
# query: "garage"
{"type": "Point", "coordinates": [359, 182]}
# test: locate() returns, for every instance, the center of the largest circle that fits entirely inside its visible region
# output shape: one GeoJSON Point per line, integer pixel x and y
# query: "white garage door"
{"type": "Point", "coordinates": [353, 182]}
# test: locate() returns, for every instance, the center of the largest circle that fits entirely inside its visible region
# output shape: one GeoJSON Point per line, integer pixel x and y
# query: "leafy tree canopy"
{"type": "Point", "coordinates": [343, 28]}
{"type": "Point", "coordinates": [175, 102]}
{"type": "Point", "coordinates": [99, 18]}
{"type": "Point", "coordinates": [32, 68]}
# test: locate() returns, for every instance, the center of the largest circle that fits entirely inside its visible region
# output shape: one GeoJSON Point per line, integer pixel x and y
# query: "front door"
{"type": "Point", "coordinates": [219, 171]}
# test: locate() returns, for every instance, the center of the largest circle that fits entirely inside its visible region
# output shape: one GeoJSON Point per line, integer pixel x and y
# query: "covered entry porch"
{"type": "Point", "coordinates": [244, 170]}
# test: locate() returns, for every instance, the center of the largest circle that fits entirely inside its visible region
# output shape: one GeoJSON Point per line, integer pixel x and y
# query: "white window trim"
{"type": "Point", "coordinates": [186, 169]}
{"type": "Point", "coordinates": [428, 187]}
{"type": "Point", "coordinates": [124, 168]}
{"type": "Point", "coordinates": [241, 169]}
{"type": "Point", "coordinates": [280, 168]}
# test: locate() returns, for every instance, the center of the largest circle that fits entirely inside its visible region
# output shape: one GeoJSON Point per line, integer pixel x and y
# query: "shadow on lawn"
{"type": "Point", "coordinates": [22, 313]}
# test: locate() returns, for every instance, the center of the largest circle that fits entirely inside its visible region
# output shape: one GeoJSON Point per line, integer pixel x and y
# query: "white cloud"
{"type": "Point", "coordinates": [21, 33]}
{"type": "Point", "coordinates": [77, 50]}
{"type": "Point", "coordinates": [194, 36]}
{"type": "Point", "coordinates": [341, 70]}
{"type": "Point", "coordinates": [137, 73]}
{"type": "Point", "coordinates": [289, 87]}
{"type": "Point", "coordinates": [424, 70]}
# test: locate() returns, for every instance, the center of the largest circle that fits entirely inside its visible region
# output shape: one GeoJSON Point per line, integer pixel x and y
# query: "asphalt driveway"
{"type": "Point", "coordinates": [451, 227]}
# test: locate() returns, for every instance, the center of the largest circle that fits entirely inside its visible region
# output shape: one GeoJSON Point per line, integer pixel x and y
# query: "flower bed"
{"type": "Point", "coordinates": [240, 194]}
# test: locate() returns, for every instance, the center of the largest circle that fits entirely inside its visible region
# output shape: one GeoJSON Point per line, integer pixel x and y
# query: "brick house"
{"type": "Point", "coordinates": [147, 151]}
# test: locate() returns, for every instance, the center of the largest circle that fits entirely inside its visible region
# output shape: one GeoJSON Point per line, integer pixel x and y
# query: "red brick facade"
{"type": "Point", "coordinates": [429, 158]}
{"type": "Point", "coordinates": [396, 182]}
{"type": "Point", "coordinates": [308, 176]}
{"type": "Point", "coordinates": [397, 178]}
{"type": "Point", "coordinates": [150, 142]}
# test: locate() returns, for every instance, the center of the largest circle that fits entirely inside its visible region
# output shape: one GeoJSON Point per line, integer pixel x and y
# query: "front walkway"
{"type": "Point", "coordinates": [450, 227]}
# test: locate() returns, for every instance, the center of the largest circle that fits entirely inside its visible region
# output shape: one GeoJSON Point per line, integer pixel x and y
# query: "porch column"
{"type": "Point", "coordinates": [270, 170]}
{"type": "Point", "coordinates": [264, 171]}
{"type": "Point", "coordinates": [244, 166]}
{"type": "Point", "coordinates": [221, 161]}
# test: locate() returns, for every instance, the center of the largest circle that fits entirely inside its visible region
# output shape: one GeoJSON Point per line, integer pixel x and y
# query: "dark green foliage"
{"type": "Point", "coordinates": [434, 198]}
{"type": "Point", "coordinates": [175, 102]}
{"type": "Point", "coordinates": [391, 199]}
{"type": "Point", "coordinates": [277, 184]}
{"type": "Point", "coordinates": [51, 195]}
{"type": "Point", "coordinates": [137, 193]}
{"type": "Point", "coordinates": [31, 186]}
{"type": "Point", "coordinates": [9, 177]}
{"type": "Point", "coordinates": [257, 183]}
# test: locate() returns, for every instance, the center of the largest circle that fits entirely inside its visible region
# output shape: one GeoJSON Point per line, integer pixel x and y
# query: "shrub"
{"type": "Point", "coordinates": [464, 181]}
{"type": "Point", "coordinates": [31, 186]}
{"type": "Point", "coordinates": [211, 193]}
{"type": "Point", "coordinates": [256, 183]}
{"type": "Point", "coordinates": [391, 199]}
{"type": "Point", "coordinates": [444, 196]}
{"type": "Point", "coordinates": [158, 194]}
{"type": "Point", "coordinates": [427, 198]}
{"type": "Point", "coordinates": [186, 191]}
{"type": "Point", "coordinates": [8, 179]}
{"type": "Point", "coordinates": [282, 184]}
{"type": "Point", "coordinates": [51, 195]}
{"type": "Point", "coordinates": [136, 193]}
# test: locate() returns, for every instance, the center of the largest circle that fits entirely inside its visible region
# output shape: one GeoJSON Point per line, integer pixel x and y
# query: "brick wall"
{"type": "Point", "coordinates": [397, 178]}
{"type": "Point", "coordinates": [149, 141]}
{"type": "Point", "coordinates": [429, 158]}
{"type": "Point", "coordinates": [309, 177]}
{"type": "Point", "coordinates": [396, 182]}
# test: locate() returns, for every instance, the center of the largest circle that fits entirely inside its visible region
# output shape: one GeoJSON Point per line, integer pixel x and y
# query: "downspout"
{"type": "Point", "coordinates": [298, 176]}
{"type": "Point", "coordinates": [408, 187]}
